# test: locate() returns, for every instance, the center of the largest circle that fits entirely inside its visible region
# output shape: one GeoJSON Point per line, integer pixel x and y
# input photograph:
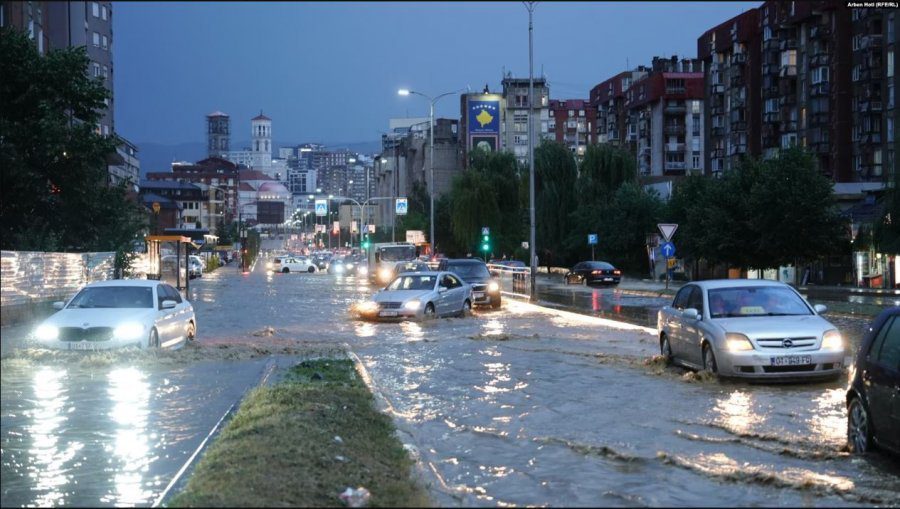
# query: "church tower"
{"type": "Point", "coordinates": [218, 132]}
{"type": "Point", "coordinates": [261, 144]}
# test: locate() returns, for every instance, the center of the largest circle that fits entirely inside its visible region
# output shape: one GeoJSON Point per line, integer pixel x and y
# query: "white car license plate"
{"type": "Point", "coordinates": [790, 360]}
{"type": "Point", "coordinates": [388, 313]}
{"type": "Point", "coordinates": [479, 295]}
{"type": "Point", "coordinates": [83, 345]}
{"type": "Point", "coordinates": [607, 279]}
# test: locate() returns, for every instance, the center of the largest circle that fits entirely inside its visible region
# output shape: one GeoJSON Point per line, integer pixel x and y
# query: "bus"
{"type": "Point", "coordinates": [383, 257]}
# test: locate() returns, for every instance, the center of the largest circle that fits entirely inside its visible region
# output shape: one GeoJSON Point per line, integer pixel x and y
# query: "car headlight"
{"type": "Point", "coordinates": [129, 331]}
{"type": "Point", "coordinates": [832, 340]}
{"type": "Point", "coordinates": [368, 307]}
{"type": "Point", "coordinates": [385, 274]}
{"type": "Point", "coordinates": [412, 305]}
{"type": "Point", "coordinates": [339, 269]}
{"type": "Point", "coordinates": [737, 342]}
{"type": "Point", "coordinates": [46, 332]}
{"type": "Point", "coordinates": [349, 265]}
{"type": "Point", "coordinates": [493, 286]}
{"type": "Point", "coordinates": [362, 270]}
{"type": "Point", "coordinates": [269, 265]}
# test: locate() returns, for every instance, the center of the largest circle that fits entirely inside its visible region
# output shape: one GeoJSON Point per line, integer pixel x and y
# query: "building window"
{"type": "Point", "coordinates": [819, 75]}
{"type": "Point", "coordinates": [96, 40]}
{"type": "Point", "coordinates": [772, 105]}
{"type": "Point", "coordinates": [105, 130]}
{"type": "Point", "coordinates": [104, 14]}
{"type": "Point", "coordinates": [95, 9]}
{"type": "Point", "coordinates": [696, 161]}
{"type": "Point", "coordinates": [890, 128]}
{"type": "Point", "coordinates": [767, 33]}
{"type": "Point", "coordinates": [106, 72]}
{"type": "Point", "coordinates": [890, 64]}
{"type": "Point", "coordinates": [695, 121]}
{"type": "Point", "coordinates": [890, 28]}
{"type": "Point", "coordinates": [95, 68]}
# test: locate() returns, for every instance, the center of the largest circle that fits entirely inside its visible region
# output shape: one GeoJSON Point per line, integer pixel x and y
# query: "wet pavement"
{"type": "Point", "coordinates": [523, 405]}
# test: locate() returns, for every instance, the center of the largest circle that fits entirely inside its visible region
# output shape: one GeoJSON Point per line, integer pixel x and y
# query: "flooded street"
{"type": "Point", "coordinates": [522, 405]}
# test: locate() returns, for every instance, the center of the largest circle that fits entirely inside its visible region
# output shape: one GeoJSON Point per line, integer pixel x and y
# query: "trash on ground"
{"type": "Point", "coordinates": [355, 498]}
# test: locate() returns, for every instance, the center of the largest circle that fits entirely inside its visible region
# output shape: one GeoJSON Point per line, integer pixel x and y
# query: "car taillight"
{"type": "Point", "coordinates": [617, 272]}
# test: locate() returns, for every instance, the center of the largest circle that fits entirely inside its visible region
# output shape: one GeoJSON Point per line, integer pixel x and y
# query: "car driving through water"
{"type": "Point", "coordinates": [419, 295]}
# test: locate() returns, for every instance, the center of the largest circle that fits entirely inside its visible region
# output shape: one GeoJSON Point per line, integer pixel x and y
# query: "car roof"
{"type": "Point", "coordinates": [465, 261]}
{"type": "Point", "coordinates": [712, 284]}
{"type": "Point", "coordinates": [426, 273]}
{"type": "Point", "coordinates": [125, 282]}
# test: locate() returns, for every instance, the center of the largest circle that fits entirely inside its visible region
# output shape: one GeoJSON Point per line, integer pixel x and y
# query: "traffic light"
{"type": "Point", "coordinates": [485, 243]}
{"type": "Point", "coordinates": [365, 242]}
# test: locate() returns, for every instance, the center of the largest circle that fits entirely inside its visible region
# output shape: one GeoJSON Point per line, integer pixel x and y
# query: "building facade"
{"type": "Point", "coordinates": [608, 100]}
{"type": "Point", "coordinates": [218, 179]}
{"type": "Point", "coordinates": [218, 134]}
{"type": "Point", "coordinates": [573, 123]}
{"type": "Point", "coordinates": [514, 124]}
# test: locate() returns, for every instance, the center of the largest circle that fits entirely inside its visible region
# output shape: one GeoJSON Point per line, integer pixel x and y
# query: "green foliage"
{"type": "Point", "coordinates": [886, 230]}
{"type": "Point", "coordinates": [555, 198]}
{"type": "Point", "coordinates": [53, 165]}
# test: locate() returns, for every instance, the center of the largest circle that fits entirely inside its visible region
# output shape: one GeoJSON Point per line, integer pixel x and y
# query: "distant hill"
{"type": "Point", "coordinates": [159, 156]}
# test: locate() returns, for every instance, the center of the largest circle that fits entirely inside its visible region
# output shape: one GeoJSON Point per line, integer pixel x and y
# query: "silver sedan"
{"type": "Point", "coordinates": [751, 329]}
{"type": "Point", "coordinates": [419, 295]}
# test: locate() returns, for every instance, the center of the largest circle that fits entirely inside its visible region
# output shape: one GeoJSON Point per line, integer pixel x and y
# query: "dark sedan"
{"type": "Point", "coordinates": [587, 273]}
{"type": "Point", "coordinates": [873, 399]}
{"type": "Point", "coordinates": [485, 289]}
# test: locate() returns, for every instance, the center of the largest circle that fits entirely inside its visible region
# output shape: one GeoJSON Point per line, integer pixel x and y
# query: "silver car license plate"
{"type": "Point", "coordinates": [790, 360]}
{"type": "Point", "coordinates": [82, 345]}
{"type": "Point", "coordinates": [479, 295]}
{"type": "Point", "coordinates": [388, 313]}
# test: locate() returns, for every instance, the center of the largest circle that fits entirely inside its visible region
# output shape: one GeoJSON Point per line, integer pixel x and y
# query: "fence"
{"type": "Point", "coordinates": [30, 281]}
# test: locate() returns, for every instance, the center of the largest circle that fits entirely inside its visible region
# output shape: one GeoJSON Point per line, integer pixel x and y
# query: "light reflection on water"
{"type": "Point", "coordinates": [829, 418]}
{"type": "Point", "coordinates": [130, 395]}
{"type": "Point", "coordinates": [47, 457]}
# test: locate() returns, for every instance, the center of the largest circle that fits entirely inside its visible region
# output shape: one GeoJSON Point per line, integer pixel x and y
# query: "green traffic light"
{"type": "Point", "coordinates": [485, 247]}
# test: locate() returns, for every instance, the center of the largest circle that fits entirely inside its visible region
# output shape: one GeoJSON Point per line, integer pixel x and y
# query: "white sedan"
{"type": "Point", "coordinates": [117, 313]}
{"type": "Point", "coordinates": [286, 264]}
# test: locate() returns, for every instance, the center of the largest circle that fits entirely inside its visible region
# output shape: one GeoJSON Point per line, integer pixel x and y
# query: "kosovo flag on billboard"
{"type": "Point", "coordinates": [484, 117]}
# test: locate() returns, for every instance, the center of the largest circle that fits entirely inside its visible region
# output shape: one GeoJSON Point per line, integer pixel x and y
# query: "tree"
{"type": "Point", "coordinates": [632, 213]}
{"type": "Point", "coordinates": [53, 170]}
{"type": "Point", "coordinates": [554, 182]}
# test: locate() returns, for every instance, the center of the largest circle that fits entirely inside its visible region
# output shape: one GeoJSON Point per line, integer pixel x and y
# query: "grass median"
{"type": "Point", "coordinates": [280, 448]}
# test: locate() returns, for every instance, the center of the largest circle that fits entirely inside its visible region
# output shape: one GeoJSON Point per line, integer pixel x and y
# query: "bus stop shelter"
{"type": "Point", "coordinates": [183, 246]}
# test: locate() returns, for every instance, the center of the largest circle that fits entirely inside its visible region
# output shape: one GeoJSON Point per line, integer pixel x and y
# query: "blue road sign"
{"type": "Point", "coordinates": [321, 208]}
{"type": "Point", "coordinates": [667, 249]}
{"type": "Point", "coordinates": [592, 239]}
{"type": "Point", "coordinates": [402, 206]}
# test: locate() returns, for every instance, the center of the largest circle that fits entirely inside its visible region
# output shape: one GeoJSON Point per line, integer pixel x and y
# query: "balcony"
{"type": "Point", "coordinates": [717, 153]}
{"type": "Point", "coordinates": [870, 169]}
{"type": "Point", "coordinates": [717, 131]}
{"type": "Point", "coordinates": [737, 81]}
{"type": "Point", "coordinates": [789, 43]}
{"type": "Point", "coordinates": [738, 125]}
{"type": "Point", "coordinates": [770, 92]}
{"type": "Point", "coordinates": [772, 117]}
{"type": "Point", "coordinates": [820, 117]}
{"type": "Point", "coordinates": [740, 148]}
{"type": "Point", "coordinates": [771, 44]}
{"type": "Point", "coordinates": [739, 59]}
{"type": "Point", "coordinates": [675, 165]}
{"type": "Point", "coordinates": [675, 109]}
{"type": "Point", "coordinates": [788, 70]}
{"type": "Point", "coordinates": [675, 129]}
{"type": "Point", "coordinates": [819, 60]}
{"type": "Point", "coordinates": [789, 126]}
{"type": "Point", "coordinates": [871, 41]}
{"type": "Point", "coordinates": [787, 99]}
{"type": "Point", "coordinates": [718, 88]}
{"type": "Point", "coordinates": [717, 109]}
{"type": "Point", "coordinates": [819, 32]}
{"type": "Point", "coordinates": [674, 147]}
{"type": "Point", "coordinates": [870, 139]}
{"type": "Point", "coordinates": [820, 89]}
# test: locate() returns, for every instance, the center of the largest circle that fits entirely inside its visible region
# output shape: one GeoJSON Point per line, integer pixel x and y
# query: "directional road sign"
{"type": "Point", "coordinates": [321, 207]}
{"type": "Point", "coordinates": [592, 239]}
{"type": "Point", "coordinates": [667, 249]}
{"type": "Point", "coordinates": [402, 206]}
{"type": "Point", "coordinates": [667, 230]}
{"type": "Point", "coordinates": [485, 230]}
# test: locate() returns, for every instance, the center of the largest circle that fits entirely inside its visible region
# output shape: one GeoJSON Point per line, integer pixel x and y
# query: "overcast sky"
{"type": "Point", "coordinates": [330, 71]}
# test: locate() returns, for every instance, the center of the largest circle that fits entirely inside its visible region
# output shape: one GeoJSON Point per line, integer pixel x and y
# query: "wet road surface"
{"type": "Point", "coordinates": [516, 406]}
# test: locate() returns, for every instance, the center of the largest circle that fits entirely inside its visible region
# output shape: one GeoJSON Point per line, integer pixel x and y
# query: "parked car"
{"type": "Point", "coordinates": [588, 273]}
{"type": "Point", "coordinates": [485, 289]}
{"type": "Point", "coordinates": [498, 266]}
{"type": "Point", "coordinates": [289, 264]}
{"type": "Point", "coordinates": [749, 328]}
{"type": "Point", "coordinates": [873, 399]}
{"type": "Point", "coordinates": [419, 295]}
{"type": "Point", "coordinates": [196, 267]}
{"type": "Point", "coordinates": [117, 313]}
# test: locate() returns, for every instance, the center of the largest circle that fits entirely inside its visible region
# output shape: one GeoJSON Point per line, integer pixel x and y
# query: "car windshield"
{"type": "Point", "coordinates": [113, 297]}
{"type": "Point", "coordinates": [755, 301]}
{"type": "Point", "coordinates": [397, 253]}
{"type": "Point", "coordinates": [412, 283]}
{"type": "Point", "coordinates": [470, 270]}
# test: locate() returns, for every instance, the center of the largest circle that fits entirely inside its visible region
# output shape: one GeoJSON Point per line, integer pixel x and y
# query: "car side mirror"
{"type": "Point", "coordinates": [691, 314]}
{"type": "Point", "coordinates": [59, 305]}
{"type": "Point", "coordinates": [168, 304]}
{"type": "Point", "coordinates": [820, 308]}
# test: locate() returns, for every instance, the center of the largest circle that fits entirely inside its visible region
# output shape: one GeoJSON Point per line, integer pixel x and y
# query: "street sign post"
{"type": "Point", "coordinates": [592, 241]}
{"type": "Point", "coordinates": [485, 230]}
{"type": "Point", "coordinates": [668, 250]}
{"type": "Point", "coordinates": [371, 228]}
{"type": "Point", "coordinates": [321, 208]}
{"type": "Point", "coordinates": [401, 206]}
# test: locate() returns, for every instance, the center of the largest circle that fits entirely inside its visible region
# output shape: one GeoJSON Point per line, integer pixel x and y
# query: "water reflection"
{"type": "Point", "coordinates": [364, 329]}
{"type": "Point", "coordinates": [736, 411]}
{"type": "Point", "coordinates": [493, 327]}
{"type": "Point", "coordinates": [412, 331]}
{"type": "Point", "coordinates": [48, 458]}
{"type": "Point", "coordinates": [130, 393]}
{"type": "Point", "coordinates": [828, 417]}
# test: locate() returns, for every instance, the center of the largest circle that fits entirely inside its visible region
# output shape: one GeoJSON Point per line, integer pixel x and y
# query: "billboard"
{"type": "Point", "coordinates": [484, 117]}
{"type": "Point", "coordinates": [487, 143]}
{"type": "Point", "coordinates": [270, 212]}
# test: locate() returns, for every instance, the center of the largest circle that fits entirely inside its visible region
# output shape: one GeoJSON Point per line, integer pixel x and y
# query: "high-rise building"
{"type": "Point", "coordinates": [608, 99]}
{"type": "Point", "coordinates": [572, 122]}
{"type": "Point", "coordinates": [514, 122]}
{"type": "Point", "coordinates": [218, 134]}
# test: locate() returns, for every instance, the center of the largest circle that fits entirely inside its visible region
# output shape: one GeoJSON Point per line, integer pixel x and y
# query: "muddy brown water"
{"type": "Point", "coordinates": [516, 406]}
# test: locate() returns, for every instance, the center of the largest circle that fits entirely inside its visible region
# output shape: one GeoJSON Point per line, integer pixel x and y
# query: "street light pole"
{"type": "Point", "coordinates": [532, 263]}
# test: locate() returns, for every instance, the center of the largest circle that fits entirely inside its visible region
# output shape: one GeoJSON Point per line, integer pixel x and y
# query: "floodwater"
{"type": "Point", "coordinates": [518, 406]}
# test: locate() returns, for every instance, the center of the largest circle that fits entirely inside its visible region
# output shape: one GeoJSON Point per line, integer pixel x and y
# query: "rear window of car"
{"type": "Point", "coordinates": [601, 265]}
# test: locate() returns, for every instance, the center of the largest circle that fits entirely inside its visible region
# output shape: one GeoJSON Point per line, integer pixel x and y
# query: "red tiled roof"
{"type": "Point", "coordinates": [245, 187]}
{"type": "Point", "coordinates": [254, 175]}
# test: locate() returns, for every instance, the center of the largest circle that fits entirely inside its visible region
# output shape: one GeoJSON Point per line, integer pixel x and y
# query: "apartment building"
{"type": "Point", "coordinates": [514, 115]}
{"type": "Point", "coordinates": [573, 123]}
{"type": "Point", "coordinates": [218, 180]}
{"type": "Point", "coordinates": [608, 100]}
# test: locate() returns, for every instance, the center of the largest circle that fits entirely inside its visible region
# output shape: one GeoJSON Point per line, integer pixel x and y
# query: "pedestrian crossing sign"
{"type": "Point", "coordinates": [402, 206]}
{"type": "Point", "coordinates": [321, 208]}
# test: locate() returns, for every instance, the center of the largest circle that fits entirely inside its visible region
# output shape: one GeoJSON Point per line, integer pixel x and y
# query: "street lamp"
{"type": "Point", "coordinates": [431, 100]}
{"type": "Point", "coordinates": [530, 6]}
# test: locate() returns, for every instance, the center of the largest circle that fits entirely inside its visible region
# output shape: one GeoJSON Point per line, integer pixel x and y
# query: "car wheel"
{"type": "Point", "coordinates": [495, 304]}
{"type": "Point", "coordinates": [665, 348]}
{"type": "Point", "coordinates": [311, 270]}
{"type": "Point", "coordinates": [153, 340]}
{"type": "Point", "coordinates": [285, 270]}
{"type": "Point", "coordinates": [859, 433]}
{"type": "Point", "coordinates": [429, 311]}
{"type": "Point", "coordinates": [467, 308]}
{"type": "Point", "coordinates": [709, 359]}
{"type": "Point", "coordinates": [191, 332]}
